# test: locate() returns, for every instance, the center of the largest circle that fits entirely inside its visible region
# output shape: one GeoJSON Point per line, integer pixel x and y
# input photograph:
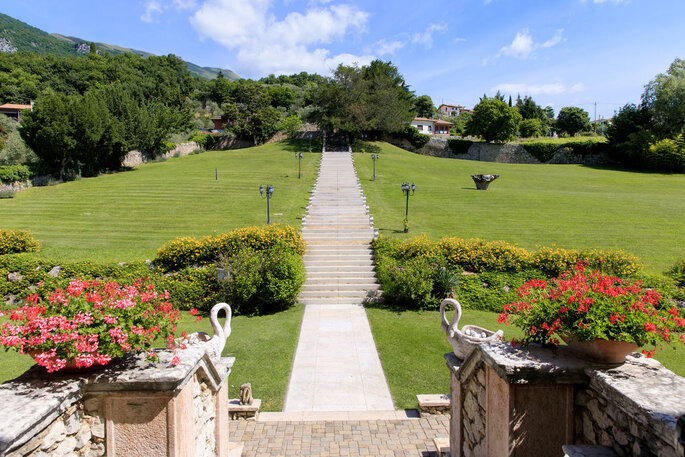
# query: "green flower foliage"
{"type": "Point", "coordinates": [16, 241]}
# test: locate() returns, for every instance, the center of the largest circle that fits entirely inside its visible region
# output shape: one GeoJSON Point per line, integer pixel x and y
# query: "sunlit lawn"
{"type": "Point", "coordinates": [570, 206]}
{"type": "Point", "coordinates": [127, 216]}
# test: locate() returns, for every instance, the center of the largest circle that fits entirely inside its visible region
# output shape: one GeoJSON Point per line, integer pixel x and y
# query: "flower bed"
{"type": "Point", "coordinates": [585, 306]}
{"type": "Point", "coordinates": [89, 323]}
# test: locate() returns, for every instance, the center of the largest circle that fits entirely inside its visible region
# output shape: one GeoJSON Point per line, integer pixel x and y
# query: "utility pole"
{"type": "Point", "coordinates": [595, 117]}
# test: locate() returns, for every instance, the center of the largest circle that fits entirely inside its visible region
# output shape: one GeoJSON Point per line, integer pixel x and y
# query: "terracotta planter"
{"type": "Point", "coordinates": [603, 351]}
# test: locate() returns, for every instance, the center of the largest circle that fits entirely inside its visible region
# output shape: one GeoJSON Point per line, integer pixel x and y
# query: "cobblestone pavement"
{"type": "Point", "coordinates": [411, 437]}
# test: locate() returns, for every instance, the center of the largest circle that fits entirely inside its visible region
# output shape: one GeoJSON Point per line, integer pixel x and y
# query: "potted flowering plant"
{"type": "Point", "coordinates": [89, 324]}
{"type": "Point", "coordinates": [601, 317]}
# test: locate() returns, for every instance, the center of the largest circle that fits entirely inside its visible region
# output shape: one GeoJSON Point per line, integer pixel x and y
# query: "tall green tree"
{"type": "Point", "coordinates": [423, 106]}
{"type": "Point", "coordinates": [572, 120]}
{"type": "Point", "coordinates": [664, 98]}
{"type": "Point", "coordinates": [371, 98]}
{"type": "Point", "coordinates": [493, 120]}
{"type": "Point", "coordinates": [250, 113]}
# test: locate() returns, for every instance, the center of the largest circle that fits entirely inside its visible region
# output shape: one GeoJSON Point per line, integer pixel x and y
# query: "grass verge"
{"type": "Point", "coordinates": [411, 346]}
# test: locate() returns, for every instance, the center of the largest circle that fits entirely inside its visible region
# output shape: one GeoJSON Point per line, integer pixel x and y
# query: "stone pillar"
{"type": "Point", "coordinates": [520, 402]}
{"type": "Point", "coordinates": [130, 408]}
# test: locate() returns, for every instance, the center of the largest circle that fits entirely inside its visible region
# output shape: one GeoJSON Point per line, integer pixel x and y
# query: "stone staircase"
{"type": "Point", "coordinates": [338, 230]}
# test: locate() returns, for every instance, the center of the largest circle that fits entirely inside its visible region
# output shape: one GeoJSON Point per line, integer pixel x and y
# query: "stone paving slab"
{"type": "Point", "coordinates": [398, 438]}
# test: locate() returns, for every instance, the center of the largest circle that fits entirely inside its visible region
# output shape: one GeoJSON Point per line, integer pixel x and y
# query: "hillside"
{"type": "Point", "coordinates": [17, 36]}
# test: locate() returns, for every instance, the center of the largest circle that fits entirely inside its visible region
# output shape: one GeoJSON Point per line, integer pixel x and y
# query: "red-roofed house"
{"type": "Point", "coordinates": [431, 126]}
{"type": "Point", "coordinates": [14, 110]}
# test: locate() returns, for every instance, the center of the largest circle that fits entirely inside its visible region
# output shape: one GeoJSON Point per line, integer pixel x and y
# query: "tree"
{"type": "Point", "coordinates": [529, 128]}
{"type": "Point", "coordinates": [628, 120]}
{"type": "Point", "coordinates": [664, 98]}
{"type": "Point", "coordinates": [371, 98]}
{"type": "Point", "coordinates": [572, 120]}
{"type": "Point", "coordinates": [250, 113]}
{"type": "Point", "coordinates": [493, 120]}
{"type": "Point", "coordinates": [423, 106]}
{"type": "Point", "coordinates": [531, 110]}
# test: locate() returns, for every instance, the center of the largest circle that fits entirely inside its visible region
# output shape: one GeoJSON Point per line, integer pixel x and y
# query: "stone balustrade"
{"type": "Point", "coordinates": [533, 401]}
{"type": "Point", "coordinates": [131, 407]}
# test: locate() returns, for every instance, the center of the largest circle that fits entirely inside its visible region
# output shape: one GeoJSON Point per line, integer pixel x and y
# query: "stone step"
{"type": "Point", "coordinates": [324, 257]}
{"type": "Point", "coordinates": [337, 301]}
{"type": "Point", "coordinates": [323, 262]}
{"type": "Point", "coordinates": [346, 243]}
{"type": "Point", "coordinates": [337, 268]}
{"type": "Point", "coordinates": [329, 286]}
{"type": "Point", "coordinates": [341, 250]}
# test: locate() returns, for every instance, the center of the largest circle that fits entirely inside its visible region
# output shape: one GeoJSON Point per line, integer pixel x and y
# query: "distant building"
{"type": "Point", "coordinates": [219, 122]}
{"type": "Point", "coordinates": [13, 110]}
{"type": "Point", "coordinates": [431, 126]}
{"type": "Point", "coordinates": [452, 110]}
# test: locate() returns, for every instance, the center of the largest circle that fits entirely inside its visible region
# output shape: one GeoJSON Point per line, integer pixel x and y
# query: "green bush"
{"type": "Point", "coordinates": [529, 128]}
{"type": "Point", "coordinates": [459, 146]}
{"type": "Point", "coordinates": [416, 138]}
{"type": "Point", "coordinates": [6, 193]}
{"type": "Point", "coordinates": [206, 140]}
{"type": "Point", "coordinates": [16, 241]}
{"type": "Point", "coordinates": [264, 281]}
{"type": "Point", "coordinates": [14, 173]}
{"type": "Point", "coordinates": [677, 272]}
{"type": "Point", "coordinates": [544, 150]}
{"type": "Point", "coordinates": [667, 154]}
{"type": "Point", "coordinates": [187, 251]}
{"type": "Point", "coordinates": [190, 287]}
{"type": "Point", "coordinates": [490, 291]}
{"type": "Point", "coordinates": [554, 261]}
{"type": "Point", "coordinates": [541, 151]}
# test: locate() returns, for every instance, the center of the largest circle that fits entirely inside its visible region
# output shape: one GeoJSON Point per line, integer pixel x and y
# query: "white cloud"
{"type": "Point", "coordinates": [185, 4]}
{"type": "Point", "coordinates": [538, 89]}
{"type": "Point", "coordinates": [426, 38]}
{"type": "Point", "coordinates": [523, 45]}
{"type": "Point", "coordinates": [152, 8]}
{"type": "Point", "coordinates": [265, 44]}
{"type": "Point", "coordinates": [385, 47]}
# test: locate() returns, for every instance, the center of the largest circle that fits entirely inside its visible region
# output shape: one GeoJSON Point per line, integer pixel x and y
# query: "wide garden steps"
{"type": "Point", "coordinates": [341, 278]}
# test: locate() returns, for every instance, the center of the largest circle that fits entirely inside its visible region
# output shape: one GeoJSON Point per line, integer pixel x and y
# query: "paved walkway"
{"type": "Point", "coordinates": [336, 365]}
{"type": "Point", "coordinates": [405, 438]}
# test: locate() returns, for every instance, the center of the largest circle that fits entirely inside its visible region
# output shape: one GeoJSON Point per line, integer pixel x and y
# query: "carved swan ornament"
{"type": "Point", "coordinates": [464, 341]}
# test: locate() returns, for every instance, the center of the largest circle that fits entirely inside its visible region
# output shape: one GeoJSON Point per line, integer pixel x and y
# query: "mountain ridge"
{"type": "Point", "coordinates": [18, 36]}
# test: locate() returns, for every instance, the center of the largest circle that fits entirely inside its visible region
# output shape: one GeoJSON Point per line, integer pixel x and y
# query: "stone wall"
{"type": "Point", "coordinates": [532, 401]}
{"type": "Point", "coordinates": [73, 433]}
{"type": "Point", "coordinates": [474, 413]}
{"type": "Point", "coordinates": [500, 153]}
{"type": "Point", "coordinates": [129, 408]}
{"type": "Point", "coordinates": [204, 405]}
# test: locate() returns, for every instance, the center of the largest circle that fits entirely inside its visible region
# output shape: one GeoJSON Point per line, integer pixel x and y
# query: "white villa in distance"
{"type": "Point", "coordinates": [431, 126]}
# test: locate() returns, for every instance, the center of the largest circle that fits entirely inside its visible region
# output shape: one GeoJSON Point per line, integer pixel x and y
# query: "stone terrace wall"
{"type": "Point", "coordinates": [130, 408]}
{"type": "Point", "coordinates": [532, 401]}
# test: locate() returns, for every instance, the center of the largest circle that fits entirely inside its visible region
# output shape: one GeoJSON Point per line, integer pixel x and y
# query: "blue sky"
{"type": "Point", "coordinates": [561, 52]}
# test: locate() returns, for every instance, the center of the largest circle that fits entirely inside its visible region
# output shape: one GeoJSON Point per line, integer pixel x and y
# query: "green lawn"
{"type": "Point", "coordinates": [411, 345]}
{"type": "Point", "coordinates": [263, 346]}
{"type": "Point", "coordinates": [570, 206]}
{"type": "Point", "coordinates": [128, 216]}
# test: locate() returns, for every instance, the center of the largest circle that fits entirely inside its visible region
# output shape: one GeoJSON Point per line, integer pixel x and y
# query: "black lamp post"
{"type": "Point", "coordinates": [269, 193]}
{"type": "Point", "coordinates": [299, 165]}
{"type": "Point", "coordinates": [407, 190]}
{"type": "Point", "coordinates": [375, 157]}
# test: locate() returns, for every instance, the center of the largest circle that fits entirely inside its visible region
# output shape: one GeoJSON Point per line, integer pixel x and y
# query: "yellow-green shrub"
{"type": "Point", "coordinates": [554, 261]}
{"type": "Point", "coordinates": [16, 241]}
{"type": "Point", "coordinates": [480, 255]}
{"type": "Point", "coordinates": [186, 251]}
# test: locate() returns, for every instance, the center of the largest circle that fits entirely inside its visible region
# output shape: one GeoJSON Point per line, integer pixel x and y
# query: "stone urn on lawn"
{"type": "Point", "coordinates": [483, 181]}
{"type": "Point", "coordinates": [464, 341]}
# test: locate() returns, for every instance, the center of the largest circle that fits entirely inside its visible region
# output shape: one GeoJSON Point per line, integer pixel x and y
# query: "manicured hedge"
{"type": "Point", "coordinates": [415, 273]}
{"type": "Point", "coordinates": [543, 150]}
{"type": "Point", "coordinates": [265, 265]}
{"type": "Point", "coordinates": [187, 251]}
{"type": "Point", "coordinates": [459, 146]}
{"type": "Point", "coordinates": [16, 241]}
{"type": "Point", "coordinates": [411, 134]}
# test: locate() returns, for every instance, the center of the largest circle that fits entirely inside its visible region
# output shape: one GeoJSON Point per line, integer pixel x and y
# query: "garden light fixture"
{"type": "Point", "coordinates": [299, 165]}
{"type": "Point", "coordinates": [375, 157]}
{"type": "Point", "coordinates": [269, 193]}
{"type": "Point", "coordinates": [407, 190]}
